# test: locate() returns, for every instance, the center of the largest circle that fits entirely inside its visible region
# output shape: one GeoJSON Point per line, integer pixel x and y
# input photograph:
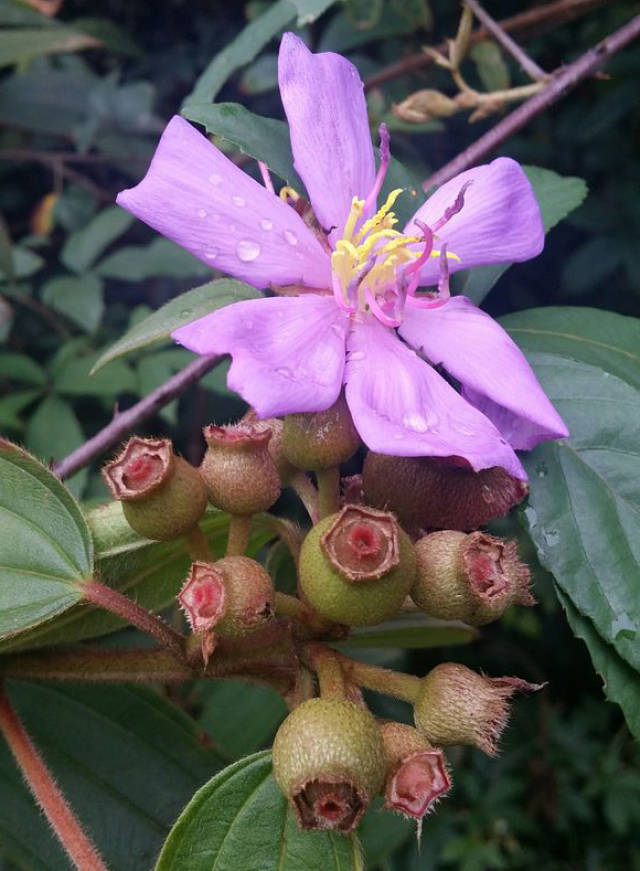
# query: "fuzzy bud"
{"type": "Point", "coordinates": [162, 495]}
{"type": "Point", "coordinates": [203, 597]}
{"type": "Point", "coordinates": [424, 106]}
{"type": "Point", "coordinates": [458, 706]}
{"type": "Point", "coordinates": [434, 493]}
{"type": "Point", "coordinates": [357, 566]}
{"type": "Point", "coordinates": [472, 577]}
{"type": "Point", "coordinates": [416, 775]}
{"type": "Point", "coordinates": [249, 597]}
{"type": "Point", "coordinates": [238, 469]}
{"type": "Point", "coordinates": [275, 426]}
{"type": "Point", "coordinates": [322, 439]}
{"type": "Point", "coordinates": [328, 760]}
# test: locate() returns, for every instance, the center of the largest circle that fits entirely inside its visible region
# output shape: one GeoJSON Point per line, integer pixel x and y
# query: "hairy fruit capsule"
{"type": "Point", "coordinates": [162, 495]}
{"type": "Point", "coordinates": [329, 761]}
{"type": "Point", "coordinates": [322, 439]}
{"type": "Point", "coordinates": [416, 773]}
{"type": "Point", "coordinates": [357, 566]}
{"type": "Point", "coordinates": [456, 705]}
{"type": "Point", "coordinates": [472, 577]}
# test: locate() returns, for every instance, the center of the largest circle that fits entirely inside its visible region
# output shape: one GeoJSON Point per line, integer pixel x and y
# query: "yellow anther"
{"type": "Point", "coordinates": [355, 212]}
{"type": "Point", "coordinates": [380, 214]}
{"type": "Point", "coordinates": [287, 193]}
{"type": "Point", "coordinates": [450, 255]}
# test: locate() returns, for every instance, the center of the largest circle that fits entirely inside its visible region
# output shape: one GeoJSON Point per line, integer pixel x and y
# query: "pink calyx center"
{"type": "Point", "coordinates": [141, 471]}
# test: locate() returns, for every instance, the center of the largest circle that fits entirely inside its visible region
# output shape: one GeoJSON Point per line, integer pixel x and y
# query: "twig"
{"type": "Point", "coordinates": [530, 67]}
{"type": "Point", "coordinates": [559, 85]}
{"type": "Point", "coordinates": [125, 421]}
{"type": "Point", "coordinates": [552, 13]}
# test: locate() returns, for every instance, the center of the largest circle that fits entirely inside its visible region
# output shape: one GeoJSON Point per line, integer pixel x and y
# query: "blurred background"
{"type": "Point", "coordinates": [84, 95]}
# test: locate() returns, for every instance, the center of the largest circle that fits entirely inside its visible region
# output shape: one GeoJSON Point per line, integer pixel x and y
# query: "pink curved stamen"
{"type": "Point", "coordinates": [381, 315]}
{"type": "Point", "coordinates": [444, 291]}
{"type": "Point", "coordinates": [385, 157]}
{"type": "Point", "coordinates": [339, 298]}
{"type": "Point", "coordinates": [414, 268]}
{"type": "Point", "coordinates": [425, 302]}
{"type": "Point", "coordinates": [450, 211]}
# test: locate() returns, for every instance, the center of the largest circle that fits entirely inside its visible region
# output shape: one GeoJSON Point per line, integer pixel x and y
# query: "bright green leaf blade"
{"type": "Point", "coordinates": [584, 507]}
{"type": "Point", "coordinates": [557, 196]}
{"type": "Point", "coordinates": [126, 759]}
{"type": "Point", "coordinates": [262, 138]}
{"type": "Point", "coordinates": [20, 44]}
{"type": "Point", "coordinates": [621, 683]}
{"type": "Point", "coordinates": [241, 50]}
{"type": "Point", "coordinates": [182, 310]}
{"type": "Point", "coordinates": [241, 820]}
{"type": "Point", "coordinates": [53, 431]}
{"type": "Point", "coordinates": [411, 631]}
{"type": "Point", "coordinates": [83, 247]}
{"type": "Point", "coordinates": [45, 546]}
{"type": "Point", "coordinates": [79, 298]}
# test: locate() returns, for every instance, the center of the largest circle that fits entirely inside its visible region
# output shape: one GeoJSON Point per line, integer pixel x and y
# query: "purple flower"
{"type": "Point", "coordinates": [357, 318]}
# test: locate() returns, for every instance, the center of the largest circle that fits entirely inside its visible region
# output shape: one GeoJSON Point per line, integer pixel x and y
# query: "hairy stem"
{"type": "Point", "coordinates": [382, 680]}
{"type": "Point", "coordinates": [559, 86]}
{"type": "Point", "coordinates": [328, 491]}
{"type": "Point", "coordinates": [46, 792]}
{"type": "Point", "coordinates": [307, 493]}
{"type": "Point", "coordinates": [239, 534]}
{"type": "Point", "coordinates": [125, 421]}
{"type": "Point", "coordinates": [292, 608]}
{"type": "Point", "coordinates": [326, 664]}
{"type": "Point", "coordinates": [115, 602]}
{"type": "Point", "coordinates": [286, 531]}
{"type": "Point", "coordinates": [97, 666]}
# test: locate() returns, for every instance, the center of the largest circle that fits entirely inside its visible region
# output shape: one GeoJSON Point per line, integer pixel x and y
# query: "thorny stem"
{"type": "Point", "coordinates": [538, 18]}
{"type": "Point", "coordinates": [328, 491]}
{"type": "Point", "coordinates": [302, 484]}
{"type": "Point", "coordinates": [326, 664]}
{"type": "Point", "coordinates": [382, 680]}
{"type": "Point", "coordinates": [530, 67]}
{"type": "Point", "coordinates": [239, 534]}
{"type": "Point", "coordinates": [198, 545]}
{"type": "Point", "coordinates": [124, 421]}
{"type": "Point", "coordinates": [46, 792]}
{"type": "Point", "coordinates": [558, 86]}
{"type": "Point", "coordinates": [115, 602]}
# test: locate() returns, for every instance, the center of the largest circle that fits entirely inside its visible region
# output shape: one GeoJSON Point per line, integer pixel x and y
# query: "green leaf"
{"type": "Point", "coordinates": [382, 833]}
{"type": "Point", "coordinates": [21, 44]}
{"type": "Point", "coordinates": [126, 759]}
{"type": "Point", "coordinates": [621, 684]}
{"type": "Point", "coordinates": [492, 69]}
{"type": "Point", "coordinates": [53, 431]}
{"type": "Point", "coordinates": [77, 297]}
{"type": "Point", "coordinates": [310, 10]}
{"type": "Point", "coordinates": [262, 138]}
{"type": "Point", "coordinates": [584, 506]}
{"type": "Point", "coordinates": [411, 631]}
{"type": "Point", "coordinates": [160, 258]}
{"type": "Point", "coordinates": [241, 50]}
{"type": "Point", "coordinates": [183, 309]}
{"type": "Point", "coordinates": [557, 196]}
{"type": "Point", "coordinates": [45, 546]}
{"type": "Point", "coordinates": [12, 404]}
{"type": "Point", "coordinates": [19, 367]}
{"type": "Point", "coordinates": [240, 819]}
{"type": "Point", "coordinates": [83, 247]}
{"type": "Point", "coordinates": [364, 14]}
{"type": "Point", "coordinates": [25, 263]}
{"type": "Point", "coordinates": [72, 376]}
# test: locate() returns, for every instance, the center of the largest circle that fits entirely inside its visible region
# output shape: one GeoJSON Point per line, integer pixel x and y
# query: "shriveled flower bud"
{"type": "Point", "coordinates": [458, 706]}
{"type": "Point", "coordinates": [357, 566]}
{"type": "Point", "coordinates": [416, 774]}
{"type": "Point", "coordinates": [328, 760]}
{"type": "Point", "coordinates": [162, 495]}
{"type": "Point", "coordinates": [472, 577]}
{"type": "Point", "coordinates": [424, 106]}
{"type": "Point", "coordinates": [203, 597]}
{"type": "Point", "coordinates": [248, 598]}
{"type": "Point", "coordinates": [238, 470]}
{"type": "Point", "coordinates": [439, 493]}
{"type": "Point", "coordinates": [322, 439]}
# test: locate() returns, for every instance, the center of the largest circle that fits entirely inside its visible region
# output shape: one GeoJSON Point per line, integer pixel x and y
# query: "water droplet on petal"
{"type": "Point", "coordinates": [266, 224]}
{"type": "Point", "coordinates": [238, 201]}
{"type": "Point", "coordinates": [202, 213]}
{"type": "Point", "coordinates": [337, 329]}
{"type": "Point", "coordinates": [415, 421]}
{"type": "Point", "coordinates": [463, 428]}
{"type": "Point", "coordinates": [356, 355]}
{"type": "Point", "coordinates": [215, 179]}
{"type": "Point", "coordinates": [247, 250]}
{"type": "Point", "coordinates": [291, 238]}
{"type": "Point", "coordinates": [286, 373]}
{"type": "Point", "coordinates": [211, 254]}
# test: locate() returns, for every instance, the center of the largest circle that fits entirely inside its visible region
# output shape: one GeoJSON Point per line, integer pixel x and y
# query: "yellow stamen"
{"type": "Point", "coordinates": [287, 193]}
{"type": "Point", "coordinates": [380, 215]}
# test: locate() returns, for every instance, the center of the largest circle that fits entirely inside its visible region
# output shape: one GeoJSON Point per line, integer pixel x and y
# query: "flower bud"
{"type": "Point", "coordinates": [322, 439]}
{"type": "Point", "coordinates": [472, 577]}
{"type": "Point", "coordinates": [162, 495]}
{"type": "Point", "coordinates": [458, 706]}
{"type": "Point", "coordinates": [285, 469]}
{"type": "Point", "coordinates": [357, 566]}
{"type": "Point", "coordinates": [328, 760]}
{"type": "Point", "coordinates": [416, 772]}
{"type": "Point", "coordinates": [238, 470]}
{"type": "Point", "coordinates": [424, 106]}
{"type": "Point", "coordinates": [439, 493]}
{"type": "Point", "coordinates": [234, 594]}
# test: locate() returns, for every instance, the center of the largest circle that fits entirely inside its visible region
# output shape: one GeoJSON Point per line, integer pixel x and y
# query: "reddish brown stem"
{"type": "Point", "coordinates": [46, 792]}
{"type": "Point", "coordinates": [559, 85]}
{"type": "Point", "coordinates": [115, 602]}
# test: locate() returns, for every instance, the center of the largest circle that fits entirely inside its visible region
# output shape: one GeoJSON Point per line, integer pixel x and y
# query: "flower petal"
{"type": "Point", "coordinates": [194, 195]}
{"type": "Point", "coordinates": [500, 220]}
{"type": "Point", "coordinates": [287, 352]}
{"type": "Point", "coordinates": [492, 369]}
{"type": "Point", "coordinates": [323, 98]}
{"type": "Point", "coordinates": [401, 406]}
